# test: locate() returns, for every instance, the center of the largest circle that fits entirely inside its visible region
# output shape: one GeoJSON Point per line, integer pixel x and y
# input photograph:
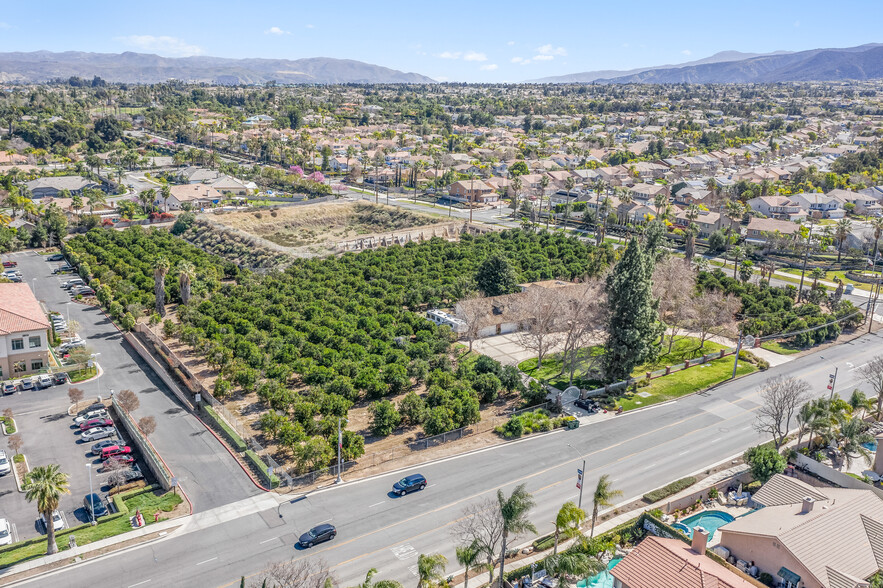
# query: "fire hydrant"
{"type": "Point", "coordinates": [156, 516]}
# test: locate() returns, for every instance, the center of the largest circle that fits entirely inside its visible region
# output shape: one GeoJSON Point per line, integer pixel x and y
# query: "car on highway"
{"type": "Point", "coordinates": [5, 532]}
{"type": "Point", "coordinates": [409, 484]}
{"type": "Point", "coordinates": [44, 381]}
{"type": "Point", "coordinates": [115, 451]}
{"type": "Point", "coordinates": [96, 433]}
{"type": "Point", "coordinates": [96, 449]}
{"type": "Point", "coordinates": [57, 521]}
{"type": "Point", "coordinates": [10, 263]}
{"type": "Point", "coordinates": [60, 378]}
{"type": "Point", "coordinates": [108, 464]}
{"type": "Point", "coordinates": [100, 413]}
{"type": "Point", "coordinates": [27, 384]}
{"type": "Point", "coordinates": [318, 534]}
{"type": "Point", "coordinates": [55, 257]}
{"type": "Point", "coordinates": [92, 423]}
{"type": "Point", "coordinates": [94, 505]}
{"type": "Point", "coordinates": [10, 387]}
{"type": "Point", "coordinates": [5, 466]}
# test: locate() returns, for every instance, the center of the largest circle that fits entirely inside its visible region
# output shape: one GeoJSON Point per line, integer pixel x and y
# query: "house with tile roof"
{"type": "Point", "coordinates": [810, 537]}
{"type": "Point", "coordinates": [24, 337]}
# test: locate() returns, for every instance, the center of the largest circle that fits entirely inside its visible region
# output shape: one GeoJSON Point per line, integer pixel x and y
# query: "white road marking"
{"type": "Point", "coordinates": [377, 504]}
{"type": "Point", "coordinates": [684, 452]}
{"type": "Point", "coordinates": [413, 569]}
{"type": "Point", "coordinates": [404, 551]}
{"type": "Point", "coordinates": [268, 540]}
{"type": "Point", "coordinates": [139, 583]}
{"type": "Point", "coordinates": [206, 561]}
{"type": "Point", "coordinates": [29, 412]}
{"type": "Point", "coordinates": [325, 521]}
{"type": "Point", "coordinates": [714, 440]}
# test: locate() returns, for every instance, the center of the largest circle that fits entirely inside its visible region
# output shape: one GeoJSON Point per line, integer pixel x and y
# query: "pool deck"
{"type": "Point", "coordinates": [733, 511]}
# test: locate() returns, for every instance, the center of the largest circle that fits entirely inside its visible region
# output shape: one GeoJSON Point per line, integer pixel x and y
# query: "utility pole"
{"type": "Point", "coordinates": [579, 484]}
{"type": "Point", "coordinates": [738, 349]}
{"type": "Point", "coordinates": [832, 380]}
{"type": "Point", "coordinates": [339, 446]}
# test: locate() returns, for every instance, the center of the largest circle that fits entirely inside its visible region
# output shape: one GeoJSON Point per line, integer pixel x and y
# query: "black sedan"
{"type": "Point", "coordinates": [409, 484]}
{"type": "Point", "coordinates": [318, 534]}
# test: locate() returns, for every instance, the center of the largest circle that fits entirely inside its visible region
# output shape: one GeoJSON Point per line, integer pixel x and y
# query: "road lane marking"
{"type": "Point", "coordinates": [685, 452]}
{"type": "Point", "coordinates": [206, 561]}
{"type": "Point", "coordinates": [139, 583]}
{"type": "Point", "coordinates": [268, 540]}
{"type": "Point", "coordinates": [325, 521]}
{"type": "Point", "coordinates": [404, 551]}
{"type": "Point", "coordinates": [377, 504]}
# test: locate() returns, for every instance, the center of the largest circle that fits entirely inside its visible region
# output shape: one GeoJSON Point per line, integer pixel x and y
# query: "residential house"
{"type": "Point", "coordinates": [339, 164]}
{"type": "Point", "coordinates": [659, 562]}
{"type": "Point", "coordinates": [864, 203]}
{"type": "Point", "coordinates": [780, 207]}
{"type": "Point", "coordinates": [759, 229]}
{"type": "Point", "coordinates": [24, 332]}
{"type": "Point", "coordinates": [230, 185]}
{"type": "Point", "coordinates": [193, 174]}
{"type": "Point", "coordinates": [819, 205]}
{"type": "Point", "coordinates": [707, 221]}
{"type": "Point", "coordinates": [52, 186]}
{"type": "Point", "coordinates": [648, 192]}
{"type": "Point", "coordinates": [440, 317]}
{"type": "Point", "coordinates": [474, 191]}
{"type": "Point", "coordinates": [812, 537]}
{"type": "Point", "coordinates": [197, 195]}
{"type": "Point", "coordinates": [689, 195]}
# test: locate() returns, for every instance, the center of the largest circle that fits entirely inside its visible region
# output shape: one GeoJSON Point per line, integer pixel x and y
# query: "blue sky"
{"type": "Point", "coordinates": [450, 41]}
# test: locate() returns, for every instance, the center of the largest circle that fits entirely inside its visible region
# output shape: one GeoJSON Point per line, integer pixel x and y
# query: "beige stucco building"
{"type": "Point", "coordinates": [24, 332]}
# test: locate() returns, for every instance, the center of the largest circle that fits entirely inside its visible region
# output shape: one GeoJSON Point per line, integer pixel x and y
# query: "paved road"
{"type": "Point", "coordinates": [640, 451]}
{"type": "Point", "coordinates": [209, 475]}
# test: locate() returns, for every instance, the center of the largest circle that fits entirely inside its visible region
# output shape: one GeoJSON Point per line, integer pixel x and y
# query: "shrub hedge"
{"type": "Point", "coordinates": [668, 490]}
{"type": "Point", "coordinates": [232, 437]}
{"type": "Point", "coordinates": [259, 465]}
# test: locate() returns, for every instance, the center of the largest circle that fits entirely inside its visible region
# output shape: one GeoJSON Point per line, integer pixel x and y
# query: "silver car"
{"type": "Point", "coordinates": [97, 433]}
{"type": "Point", "coordinates": [5, 466]}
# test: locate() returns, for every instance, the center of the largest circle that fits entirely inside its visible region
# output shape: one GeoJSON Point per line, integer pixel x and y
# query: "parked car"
{"type": "Point", "coordinates": [100, 413]}
{"type": "Point", "coordinates": [115, 451]}
{"type": "Point", "coordinates": [60, 378]}
{"type": "Point", "coordinates": [5, 466]}
{"type": "Point", "coordinates": [27, 384]}
{"type": "Point", "coordinates": [11, 273]}
{"type": "Point", "coordinates": [10, 387]}
{"type": "Point", "coordinates": [92, 423]}
{"type": "Point", "coordinates": [96, 449]}
{"type": "Point", "coordinates": [132, 474]}
{"type": "Point", "coordinates": [96, 433]}
{"type": "Point", "coordinates": [62, 269]}
{"type": "Point", "coordinates": [65, 347]}
{"type": "Point", "coordinates": [57, 521]}
{"type": "Point", "coordinates": [55, 257]}
{"type": "Point", "coordinates": [71, 283]}
{"type": "Point", "coordinates": [318, 534]}
{"type": "Point", "coordinates": [14, 279]}
{"type": "Point", "coordinates": [10, 263]}
{"type": "Point", "coordinates": [5, 532]}
{"type": "Point", "coordinates": [94, 506]}
{"type": "Point", "coordinates": [126, 459]}
{"type": "Point", "coordinates": [82, 291]}
{"type": "Point", "coordinates": [409, 484]}
{"type": "Point", "coordinates": [44, 381]}
{"type": "Point", "coordinates": [91, 407]}
{"type": "Point", "coordinates": [586, 404]}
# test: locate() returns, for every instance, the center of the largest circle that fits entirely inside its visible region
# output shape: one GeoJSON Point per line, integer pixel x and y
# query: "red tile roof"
{"type": "Point", "coordinates": [19, 310]}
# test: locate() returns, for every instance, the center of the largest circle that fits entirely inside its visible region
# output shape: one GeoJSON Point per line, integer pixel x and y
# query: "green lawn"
{"type": "Point", "coordinates": [829, 276]}
{"type": "Point", "coordinates": [780, 348]}
{"type": "Point", "coordinates": [148, 504]}
{"type": "Point", "coordinates": [81, 374]}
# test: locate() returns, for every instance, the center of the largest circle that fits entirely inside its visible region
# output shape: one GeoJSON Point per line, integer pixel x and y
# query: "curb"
{"type": "Point", "coordinates": [18, 482]}
{"type": "Point", "coordinates": [14, 426]}
{"type": "Point", "coordinates": [232, 454]}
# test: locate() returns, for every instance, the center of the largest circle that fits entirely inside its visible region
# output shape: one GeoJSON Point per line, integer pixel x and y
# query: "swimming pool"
{"type": "Point", "coordinates": [709, 520]}
{"type": "Point", "coordinates": [870, 446]}
{"type": "Point", "coordinates": [602, 580]}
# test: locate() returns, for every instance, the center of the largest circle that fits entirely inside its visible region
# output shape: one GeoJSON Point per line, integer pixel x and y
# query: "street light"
{"type": "Point", "coordinates": [97, 373]}
{"type": "Point", "coordinates": [580, 476]}
{"type": "Point", "coordinates": [91, 499]}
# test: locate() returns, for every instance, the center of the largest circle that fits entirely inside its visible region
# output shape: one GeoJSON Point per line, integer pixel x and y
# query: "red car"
{"type": "Point", "coordinates": [95, 423]}
{"type": "Point", "coordinates": [115, 451]}
{"type": "Point", "coordinates": [10, 263]}
{"type": "Point", "coordinates": [126, 459]}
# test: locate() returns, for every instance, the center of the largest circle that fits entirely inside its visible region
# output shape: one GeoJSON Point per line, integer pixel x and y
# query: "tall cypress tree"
{"type": "Point", "coordinates": [633, 323]}
{"type": "Point", "coordinates": [495, 276]}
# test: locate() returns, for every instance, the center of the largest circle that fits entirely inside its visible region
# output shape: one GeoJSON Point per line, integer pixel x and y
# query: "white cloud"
{"type": "Point", "coordinates": [276, 31]}
{"type": "Point", "coordinates": [686, 52]}
{"type": "Point", "coordinates": [450, 55]}
{"type": "Point", "coordinates": [162, 45]}
{"type": "Point", "coordinates": [543, 57]}
{"type": "Point", "coordinates": [510, 43]}
{"type": "Point", "coordinates": [489, 67]}
{"type": "Point", "coordinates": [309, 26]}
{"type": "Point", "coordinates": [553, 51]}
{"type": "Point", "coordinates": [473, 56]}
{"type": "Point", "coordinates": [517, 59]}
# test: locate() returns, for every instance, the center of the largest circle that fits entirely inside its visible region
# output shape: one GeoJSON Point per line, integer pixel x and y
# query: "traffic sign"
{"type": "Point", "coordinates": [749, 341]}
{"type": "Point", "coordinates": [579, 472]}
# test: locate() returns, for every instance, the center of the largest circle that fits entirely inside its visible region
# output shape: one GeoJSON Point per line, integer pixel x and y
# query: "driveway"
{"type": "Point", "coordinates": [208, 473]}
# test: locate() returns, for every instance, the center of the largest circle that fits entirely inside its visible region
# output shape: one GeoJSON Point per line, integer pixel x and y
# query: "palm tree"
{"type": "Point", "coordinates": [602, 497]}
{"type": "Point", "coordinates": [147, 198]}
{"type": "Point", "coordinates": [370, 583]}
{"type": "Point", "coordinates": [469, 557]}
{"type": "Point", "coordinates": [95, 197]}
{"type": "Point", "coordinates": [430, 569]}
{"type": "Point", "coordinates": [659, 202]}
{"type": "Point", "coordinates": [186, 273]}
{"type": "Point", "coordinates": [569, 184]}
{"type": "Point", "coordinates": [733, 210]}
{"type": "Point", "coordinates": [841, 231]}
{"type": "Point", "coordinates": [514, 512]}
{"type": "Point", "coordinates": [568, 521]}
{"type": "Point", "coordinates": [737, 253]}
{"type": "Point", "coordinates": [544, 183]}
{"type": "Point", "coordinates": [45, 485]}
{"type": "Point", "coordinates": [816, 274]}
{"type": "Point", "coordinates": [852, 436]}
{"type": "Point", "coordinates": [804, 419]}
{"type": "Point", "coordinates": [166, 192]}
{"type": "Point", "coordinates": [860, 404]}
{"type": "Point", "coordinates": [876, 224]}
{"type": "Point", "coordinates": [572, 564]}
{"type": "Point", "coordinates": [626, 198]}
{"type": "Point", "coordinates": [692, 213]}
{"type": "Point", "coordinates": [161, 268]}
{"type": "Point", "coordinates": [516, 189]}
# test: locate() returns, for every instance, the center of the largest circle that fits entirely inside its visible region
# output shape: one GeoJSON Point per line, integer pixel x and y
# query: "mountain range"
{"type": "Point", "coordinates": [731, 67]}
{"type": "Point", "coordinates": [141, 68]}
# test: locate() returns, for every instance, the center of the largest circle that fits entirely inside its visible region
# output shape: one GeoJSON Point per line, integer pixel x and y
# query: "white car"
{"type": "Point", "coordinates": [5, 532]}
{"type": "Point", "coordinates": [44, 381]}
{"type": "Point", "coordinates": [5, 466]}
{"type": "Point", "coordinates": [92, 414]}
{"type": "Point", "coordinates": [57, 521]}
{"type": "Point", "coordinates": [98, 433]}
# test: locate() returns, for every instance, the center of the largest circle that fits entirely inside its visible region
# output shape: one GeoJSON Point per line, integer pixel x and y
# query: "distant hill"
{"type": "Point", "coordinates": [854, 63]}
{"type": "Point", "coordinates": [591, 76]}
{"type": "Point", "coordinates": [41, 66]}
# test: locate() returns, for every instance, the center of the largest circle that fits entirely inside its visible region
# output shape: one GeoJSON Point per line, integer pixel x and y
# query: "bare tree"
{"type": "Point", "coordinates": [15, 442]}
{"type": "Point", "coordinates": [674, 283]}
{"type": "Point", "coordinates": [128, 400]}
{"type": "Point", "coordinates": [75, 395]}
{"type": "Point", "coordinates": [116, 470]}
{"type": "Point", "coordinates": [309, 572]}
{"type": "Point", "coordinates": [582, 319]}
{"type": "Point", "coordinates": [781, 398]}
{"type": "Point", "coordinates": [147, 425]}
{"type": "Point", "coordinates": [872, 373]}
{"type": "Point", "coordinates": [539, 311]}
{"type": "Point", "coordinates": [473, 312]}
{"type": "Point", "coordinates": [713, 314]}
{"type": "Point", "coordinates": [481, 525]}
